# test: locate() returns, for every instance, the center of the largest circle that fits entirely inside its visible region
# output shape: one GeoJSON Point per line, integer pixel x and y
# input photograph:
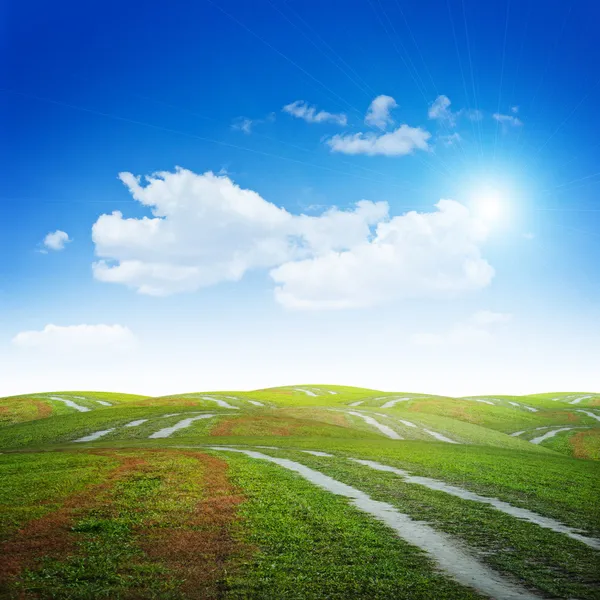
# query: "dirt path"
{"type": "Point", "coordinates": [448, 554]}
{"type": "Point", "coordinates": [505, 507]}
{"type": "Point", "coordinates": [71, 404]}
{"type": "Point", "coordinates": [167, 431]}
{"type": "Point", "coordinates": [51, 535]}
{"type": "Point", "coordinates": [199, 548]}
{"type": "Point", "coordinates": [387, 431]}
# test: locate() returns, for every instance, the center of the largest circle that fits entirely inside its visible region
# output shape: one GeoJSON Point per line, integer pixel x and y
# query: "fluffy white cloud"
{"type": "Point", "coordinates": [507, 120]}
{"type": "Point", "coordinates": [77, 338]}
{"type": "Point", "coordinates": [440, 110]}
{"type": "Point", "coordinates": [403, 140]}
{"type": "Point", "coordinates": [303, 110]}
{"type": "Point", "coordinates": [56, 240]}
{"type": "Point", "coordinates": [476, 329]}
{"type": "Point", "coordinates": [378, 113]}
{"type": "Point", "coordinates": [205, 229]}
{"type": "Point", "coordinates": [413, 255]}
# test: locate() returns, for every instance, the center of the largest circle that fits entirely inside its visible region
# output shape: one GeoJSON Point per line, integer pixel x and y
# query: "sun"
{"type": "Point", "coordinates": [489, 203]}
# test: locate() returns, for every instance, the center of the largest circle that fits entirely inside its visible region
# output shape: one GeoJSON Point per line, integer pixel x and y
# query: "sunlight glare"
{"type": "Point", "coordinates": [490, 203]}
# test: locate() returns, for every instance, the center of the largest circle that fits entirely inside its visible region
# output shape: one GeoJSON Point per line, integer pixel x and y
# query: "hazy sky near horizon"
{"type": "Point", "coordinates": [233, 195]}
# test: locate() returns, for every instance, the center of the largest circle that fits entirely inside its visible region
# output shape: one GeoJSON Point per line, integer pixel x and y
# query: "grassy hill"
{"type": "Point", "coordinates": [304, 491]}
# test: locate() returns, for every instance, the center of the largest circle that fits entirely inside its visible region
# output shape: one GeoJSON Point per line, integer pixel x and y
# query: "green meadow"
{"type": "Point", "coordinates": [303, 492]}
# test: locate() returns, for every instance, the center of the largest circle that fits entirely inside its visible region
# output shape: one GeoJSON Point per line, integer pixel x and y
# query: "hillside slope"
{"type": "Point", "coordinates": [240, 494]}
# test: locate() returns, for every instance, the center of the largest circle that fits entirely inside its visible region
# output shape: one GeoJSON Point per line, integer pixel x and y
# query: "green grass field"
{"type": "Point", "coordinates": [304, 492]}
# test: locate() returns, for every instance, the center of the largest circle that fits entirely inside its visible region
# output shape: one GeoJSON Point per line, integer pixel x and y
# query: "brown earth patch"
{"type": "Point", "coordinates": [586, 444]}
{"type": "Point", "coordinates": [199, 549]}
{"type": "Point", "coordinates": [167, 402]}
{"type": "Point", "coordinates": [43, 409]}
{"type": "Point", "coordinates": [302, 418]}
{"type": "Point", "coordinates": [185, 402]}
{"type": "Point", "coordinates": [254, 426]}
{"type": "Point", "coordinates": [577, 442]}
{"type": "Point", "coordinates": [51, 535]}
{"type": "Point", "coordinates": [459, 410]}
{"type": "Point", "coordinates": [338, 419]}
{"type": "Point", "coordinates": [560, 416]}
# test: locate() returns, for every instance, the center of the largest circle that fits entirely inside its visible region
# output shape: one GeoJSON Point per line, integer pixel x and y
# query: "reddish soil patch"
{"type": "Point", "coordinates": [199, 549]}
{"type": "Point", "coordinates": [167, 402]}
{"type": "Point", "coordinates": [185, 402]}
{"type": "Point", "coordinates": [560, 416]}
{"type": "Point", "coordinates": [43, 409]}
{"type": "Point", "coordinates": [459, 411]}
{"type": "Point", "coordinates": [50, 535]}
{"type": "Point", "coordinates": [586, 444]}
{"type": "Point", "coordinates": [254, 426]}
{"type": "Point", "coordinates": [338, 419]}
{"type": "Point", "coordinates": [577, 442]}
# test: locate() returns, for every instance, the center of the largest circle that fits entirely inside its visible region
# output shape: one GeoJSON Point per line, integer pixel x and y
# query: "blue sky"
{"type": "Point", "coordinates": [204, 285]}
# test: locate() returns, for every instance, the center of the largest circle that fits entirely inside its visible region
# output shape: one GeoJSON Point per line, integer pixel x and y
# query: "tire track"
{"type": "Point", "coordinates": [448, 554]}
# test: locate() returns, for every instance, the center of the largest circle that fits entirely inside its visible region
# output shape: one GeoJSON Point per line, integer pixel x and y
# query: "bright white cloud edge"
{"type": "Point", "coordinates": [399, 142]}
{"type": "Point", "coordinates": [378, 114]}
{"type": "Point", "coordinates": [507, 120]}
{"type": "Point", "coordinates": [56, 240]}
{"type": "Point", "coordinates": [302, 110]}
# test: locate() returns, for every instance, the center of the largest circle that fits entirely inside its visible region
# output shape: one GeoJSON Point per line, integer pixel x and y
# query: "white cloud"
{"type": "Point", "coordinates": [475, 330]}
{"type": "Point", "coordinates": [378, 113]}
{"type": "Point", "coordinates": [303, 110]}
{"type": "Point", "coordinates": [440, 110]}
{"type": "Point", "coordinates": [76, 338]}
{"type": "Point", "coordinates": [246, 125]}
{"type": "Point", "coordinates": [507, 120]}
{"type": "Point", "coordinates": [56, 240]}
{"type": "Point", "coordinates": [403, 140]}
{"type": "Point", "coordinates": [205, 229]}
{"type": "Point", "coordinates": [243, 124]}
{"type": "Point", "coordinates": [514, 109]}
{"type": "Point", "coordinates": [413, 255]}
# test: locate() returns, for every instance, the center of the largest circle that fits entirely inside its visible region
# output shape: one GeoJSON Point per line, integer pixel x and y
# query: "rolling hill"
{"type": "Point", "coordinates": [306, 491]}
